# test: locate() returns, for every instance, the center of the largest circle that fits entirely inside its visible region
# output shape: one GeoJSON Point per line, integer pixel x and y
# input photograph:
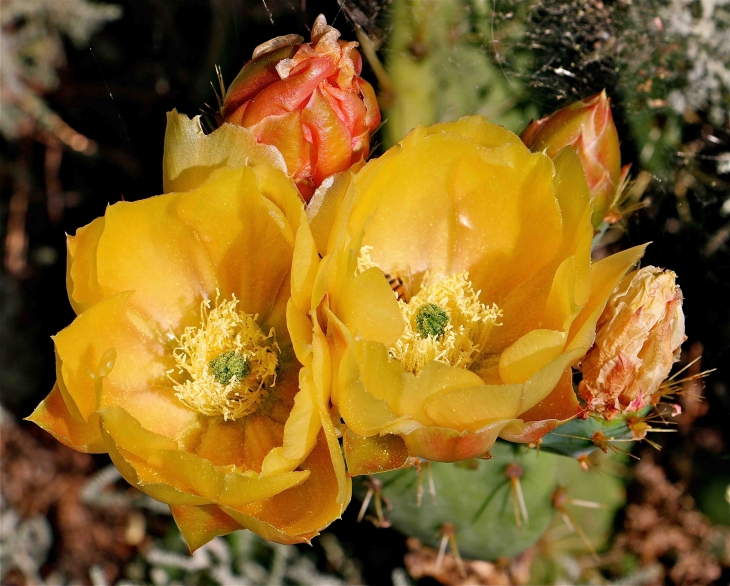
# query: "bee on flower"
{"type": "Point", "coordinates": [495, 242]}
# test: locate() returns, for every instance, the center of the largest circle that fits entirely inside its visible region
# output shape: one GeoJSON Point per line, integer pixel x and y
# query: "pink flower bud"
{"type": "Point", "coordinates": [309, 101]}
{"type": "Point", "coordinates": [638, 339]}
{"type": "Point", "coordinates": [588, 127]}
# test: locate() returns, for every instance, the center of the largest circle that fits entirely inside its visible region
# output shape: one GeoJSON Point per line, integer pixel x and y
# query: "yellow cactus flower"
{"type": "Point", "coordinates": [639, 337]}
{"type": "Point", "coordinates": [193, 360]}
{"type": "Point", "coordinates": [458, 291]}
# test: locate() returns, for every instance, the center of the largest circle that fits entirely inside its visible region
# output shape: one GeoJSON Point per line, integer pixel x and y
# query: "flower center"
{"type": "Point", "coordinates": [227, 365]}
{"type": "Point", "coordinates": [431, 320]}
{"type": "Point", "coordinates": [231, 364]}
{"type": "Point", "coordinates": [445, 320]}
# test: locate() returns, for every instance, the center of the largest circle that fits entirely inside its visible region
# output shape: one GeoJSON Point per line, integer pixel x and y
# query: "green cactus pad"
{"type": "Point", "coordinates": [602, 484]}
{"type": "Point", "coordinates": [476, 497]}
{"type": "Point", "coordinates": [574, 438]}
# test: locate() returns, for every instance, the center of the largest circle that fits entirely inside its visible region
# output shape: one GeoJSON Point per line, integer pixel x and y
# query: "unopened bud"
{"type": "Point", "coordinates": [638, 338]}
{"type": "Point", "coordinates": [588, 127]}
{"type": "Point", "coordinates": [309, 101]}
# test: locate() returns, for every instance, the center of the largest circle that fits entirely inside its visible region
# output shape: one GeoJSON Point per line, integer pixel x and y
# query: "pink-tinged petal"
{"type": "Point", "coordinates": [532, 431]}
{"type": "Point", "coordinates": [254, 77]}
{"type": "Point", "coordinates": [330, 137]}
{"type": "Point", "coordinates": [289, 94]}
{"type": "Point", "coordinates": [285, 131]}
{"type": "Point", "coordinates": [372, 120]}
{"type": "Point", "coordinates": [440, 444]}
{"type": "Point", "coordinates": [348, 107]}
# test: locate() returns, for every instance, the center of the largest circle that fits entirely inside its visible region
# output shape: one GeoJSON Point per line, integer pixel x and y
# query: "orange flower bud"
{"type": "Point", "coordinates": [638, 339]}
{"type": "Point", "coordinates": [309, 101]}
{"type": "Point", "coordinates": [588, 127]}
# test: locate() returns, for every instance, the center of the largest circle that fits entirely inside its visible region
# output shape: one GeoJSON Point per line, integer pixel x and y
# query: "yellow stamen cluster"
{"type": "Point", "coordinates": [445, 320]}
{"type": "Point", "coordinates": [229, 361]}
{"type": "Point", "coordinates": [457, 342]}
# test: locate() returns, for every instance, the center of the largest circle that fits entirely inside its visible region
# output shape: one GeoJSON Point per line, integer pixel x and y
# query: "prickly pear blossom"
{"type": "Point", "coordinates": [183, 364]}
{"type": "Point", "coordinates": [459, 291]}
{"type": "Point", "coordinates": [638, 339]}
{"type": "Point", "coordinates": [587, 126]}
{"type": "Point", "coordinates": [309, 101]}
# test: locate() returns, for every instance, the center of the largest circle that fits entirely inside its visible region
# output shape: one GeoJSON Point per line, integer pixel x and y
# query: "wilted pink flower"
{"type": "Point", "coordinates": [638, 339]}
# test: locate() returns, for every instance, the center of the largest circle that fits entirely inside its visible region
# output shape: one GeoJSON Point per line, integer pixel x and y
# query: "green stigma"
{"type": "Point", "coordinates": [431, 320]}
{"type": "Point", "coordinates": [227, 365]}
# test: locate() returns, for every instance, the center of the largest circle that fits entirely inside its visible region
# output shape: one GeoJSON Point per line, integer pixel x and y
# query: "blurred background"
{"type": "Point", "coordinates": [84, 88]}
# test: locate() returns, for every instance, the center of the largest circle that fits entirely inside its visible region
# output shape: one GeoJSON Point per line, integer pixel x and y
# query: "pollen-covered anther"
{"type": "Point", "coordinates": [445, 321]}
{"type": "Point", "coordinates": [229, 362]}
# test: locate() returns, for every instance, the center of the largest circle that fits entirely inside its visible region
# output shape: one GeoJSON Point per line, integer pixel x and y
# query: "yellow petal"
{"type": "Point", "coordinates": [223, 443]}
{"type": "Point", "coordinates": [472, 408]}
{"type": "Point", "coordinates": [139, 474]}
{"type": "Point", "coordinates": [305, 263]}
{"type": "Point", "coordinates": [371, 455]}
{"type": "Point", "coordinates": [455, 193]}
{"type": "Point", "coordinates": [199, 525]}
{"type": "Point", "coordinates": [324, 206]}
{"type": "Point", "coordinates": [359, 403]}
{"type": "Point", "coordinates": [560, 404]}
{"type": "Point", "coordinates": [146, 238]}
{"type": "Point", "coordinates": [574, 198]}
{"type": "Point", "coordinates": [156, 408]}
{"type": "Point", "coordinates": [561, 306]}
{"type": "Point", "coordinates": [81, 278]}
{"type": "Point", "coordinates": [529, 354]}
{"type": "Point", "coordinates": [239, 490]}
{"type": "Point", "coordinates": [481, 130]}
{"type": "Point", "coordinates": [110, 326]}
{"type": "Point", "coordinates": [266, 530]}
{"type": "Point", "coordinates": [605, 275]}
{"type": "Point", "coordinates": [436, 378]}
{"type": "Point", "coordinates": [300, 432]}
{"type": "Point", "coordinates": [344, 485]}
{"type": "Point", "coordinates": [551, 297]}
{"type": "Point", "coordinates": [129, 434]}
{"type": "Point", "coordinates": [300, 331]}
{"type": "Point", "coordinates": [190, 156]}
{"type": "Point", "coordinates": [370, 310]}
{"type": "Point", "coordinates": [248, 239]}
{"type": "Point", "coordinates": [545, 380]}
{"type": "Point", "coordinates": [301, 512]}
{"type": "Point", "coordinates": [188, 472]}
{"type": "Point", "coordinates": [53, 416]}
